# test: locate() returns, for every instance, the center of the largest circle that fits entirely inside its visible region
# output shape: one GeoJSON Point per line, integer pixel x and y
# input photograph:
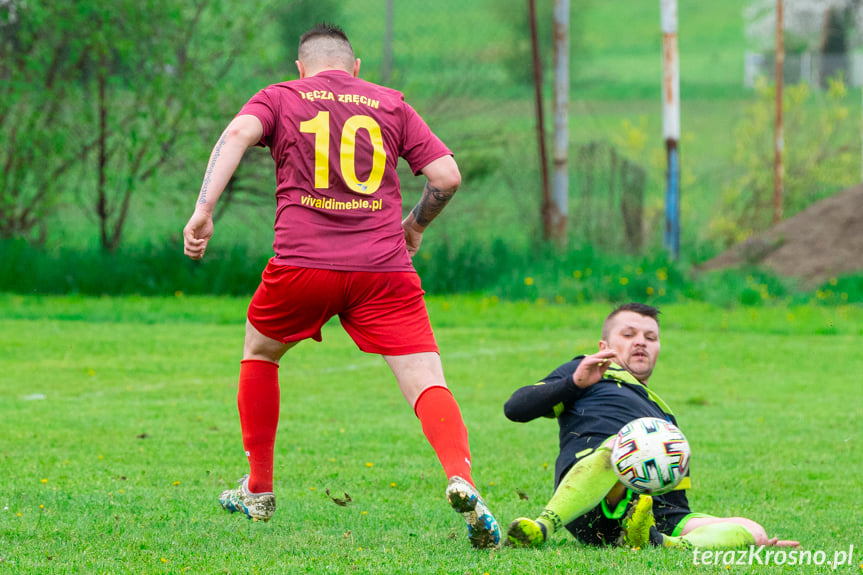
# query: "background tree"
{"type": "Point", "coordinates": [41, 66]}
{"type": "Point", "coordinates": [101, 94]}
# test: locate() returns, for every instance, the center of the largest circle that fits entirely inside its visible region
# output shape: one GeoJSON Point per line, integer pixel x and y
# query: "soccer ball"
{"type": "Point", "coordinates": [650, 455]}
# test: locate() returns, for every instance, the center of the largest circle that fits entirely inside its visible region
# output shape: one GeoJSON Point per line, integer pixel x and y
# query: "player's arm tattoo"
{"type": "Point", "coordinates": [217, 151]}
{"type": "Point", "coordinates": [432, 202]}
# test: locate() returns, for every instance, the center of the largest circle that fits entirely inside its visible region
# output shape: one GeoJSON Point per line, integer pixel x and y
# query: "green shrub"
{"type": "Point", "coordinates": [144, 270]}
{"type": "Point", "coordinates": [818, 157]}
{"type": "Point", "coordinates": [537, 272]}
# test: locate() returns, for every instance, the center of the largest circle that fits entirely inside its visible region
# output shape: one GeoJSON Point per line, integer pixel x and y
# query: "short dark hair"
{"type": "Point", "coordinates": [639, 308]}
{"type": "Point", "coordinates": [326, 45]}
{"type": "Point", "coordinates": [325, 30]}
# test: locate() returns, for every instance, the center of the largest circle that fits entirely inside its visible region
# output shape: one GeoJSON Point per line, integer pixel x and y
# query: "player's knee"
{"type": "Point", "coordinates": [257, 346]}
{"type": "Point", "coordinates": [603, 452]}
{"type": "Point", "coordinates": [604, 456]}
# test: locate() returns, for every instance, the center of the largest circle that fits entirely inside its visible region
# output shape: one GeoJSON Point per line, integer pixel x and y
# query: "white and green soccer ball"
{"type": "Point", "coordinates": [650, 456]}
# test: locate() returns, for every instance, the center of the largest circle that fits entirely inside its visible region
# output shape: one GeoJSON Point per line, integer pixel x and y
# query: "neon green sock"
{"type": "Point", "coordinates": [582, 488]}
{"type": "Point", "coordinates": [713, 536]}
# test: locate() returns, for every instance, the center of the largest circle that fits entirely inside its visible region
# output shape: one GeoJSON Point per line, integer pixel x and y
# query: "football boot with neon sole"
{"type": "Point", "coordinates": [256, 506]}
{"type": "Point", "coordinates": [637, 522]}
{"type": "Point", "coordinates": [482, 528]}
{"type": "Point", "coordinates": [524, 532]}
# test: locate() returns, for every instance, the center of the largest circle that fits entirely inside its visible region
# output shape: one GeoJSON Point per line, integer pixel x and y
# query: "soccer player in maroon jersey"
{"type": "Point", "coordinates": [341, 248]}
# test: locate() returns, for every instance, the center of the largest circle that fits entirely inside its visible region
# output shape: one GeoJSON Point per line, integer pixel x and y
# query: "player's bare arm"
{"type": "Point", "coordinates": [432, 203]}
{"type": "Point", "coordinates": [242, 132]}
{"type": "Point", "coordinates": [443, 181]}
{"type": "Point", "coordinates": [593, 367]}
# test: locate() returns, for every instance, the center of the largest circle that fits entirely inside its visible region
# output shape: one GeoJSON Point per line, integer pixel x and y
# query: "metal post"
{"type": "Point", "coordinates": [671, 124]}
{"type": "Point", "coordinates": [560, 180]}
{"type": "Point", "coordinates": [779, 137]}
{"type": "Point", "coordinates": [540, 122]}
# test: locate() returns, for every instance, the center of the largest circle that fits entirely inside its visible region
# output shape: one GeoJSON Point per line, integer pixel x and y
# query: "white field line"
{"type": "Point", "coordinates": [375, 362]}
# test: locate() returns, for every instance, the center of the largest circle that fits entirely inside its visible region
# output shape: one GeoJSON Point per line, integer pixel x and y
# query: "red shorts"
{"type": "Point", "coordinates": [383, 312]}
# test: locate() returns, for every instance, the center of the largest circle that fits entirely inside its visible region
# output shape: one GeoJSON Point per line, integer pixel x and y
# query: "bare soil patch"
{"type": "Point", "coordinates": [822, 242]}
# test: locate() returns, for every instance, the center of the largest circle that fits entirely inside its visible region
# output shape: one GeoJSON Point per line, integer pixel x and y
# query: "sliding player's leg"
{"type": "Point", "coordinates": [582, 489]}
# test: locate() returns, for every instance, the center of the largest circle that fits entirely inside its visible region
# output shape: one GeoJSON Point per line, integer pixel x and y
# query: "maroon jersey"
{"type": "Point", "coordinates": [336, 141]}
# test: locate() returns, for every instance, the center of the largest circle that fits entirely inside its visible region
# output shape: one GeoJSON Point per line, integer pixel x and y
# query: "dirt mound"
{"type": "Point", "coordinates": [822, 242]}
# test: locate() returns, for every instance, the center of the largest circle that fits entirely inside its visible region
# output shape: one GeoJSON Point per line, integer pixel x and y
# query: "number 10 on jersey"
{"type": "Point", "coordinates": [320, 127]}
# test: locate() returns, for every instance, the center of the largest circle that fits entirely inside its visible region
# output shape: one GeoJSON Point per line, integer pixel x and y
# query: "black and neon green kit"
{"type": "Point", "coordinates": [587, 418]}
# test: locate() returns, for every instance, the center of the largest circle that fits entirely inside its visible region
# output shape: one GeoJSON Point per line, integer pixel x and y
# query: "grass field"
{"type": "Point", "coordinates": [119, 428]}
{"type": "Point", "coordinates": [118, 420]}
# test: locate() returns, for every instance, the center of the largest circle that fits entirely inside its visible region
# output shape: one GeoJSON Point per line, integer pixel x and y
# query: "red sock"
{"type": "Point", "coordinates": [258, 401]}
{"type": "Point", "coordinates": [442, 424]}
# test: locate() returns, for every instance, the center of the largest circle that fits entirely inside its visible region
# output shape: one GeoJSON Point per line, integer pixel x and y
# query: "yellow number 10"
{"type": "Point", "coordinates": [320, 127]}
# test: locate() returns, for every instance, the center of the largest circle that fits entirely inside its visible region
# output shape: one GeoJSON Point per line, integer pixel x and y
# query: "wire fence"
{"type": "Point", "coordinates": [811, 68]}
{"type": "Point", "coordinates": [468, 68]}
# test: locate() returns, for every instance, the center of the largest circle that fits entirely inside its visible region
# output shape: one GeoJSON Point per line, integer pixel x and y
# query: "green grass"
{"type": "Point", "coordinates": [447, 264]}
{"type": "Point", "coordinates": [120, 428]}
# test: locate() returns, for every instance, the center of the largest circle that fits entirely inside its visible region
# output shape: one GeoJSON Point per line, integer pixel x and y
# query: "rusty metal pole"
{"type": "Point", "coordinates": [560, 179]}
{"type": "Point", "coordinates": [671, 124]}
{"type": "Point", "coordinates": [540, 123]}
{"type": "Point", "coordinates": [779, 136]}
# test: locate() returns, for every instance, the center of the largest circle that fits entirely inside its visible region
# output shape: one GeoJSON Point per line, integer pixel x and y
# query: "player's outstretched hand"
{"type": "Point", "coordinates": [775, 541]}
{"type": "Point", "coordinates": [592, 367]}
{"type": "Point", "coordinates": [197, 234]}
